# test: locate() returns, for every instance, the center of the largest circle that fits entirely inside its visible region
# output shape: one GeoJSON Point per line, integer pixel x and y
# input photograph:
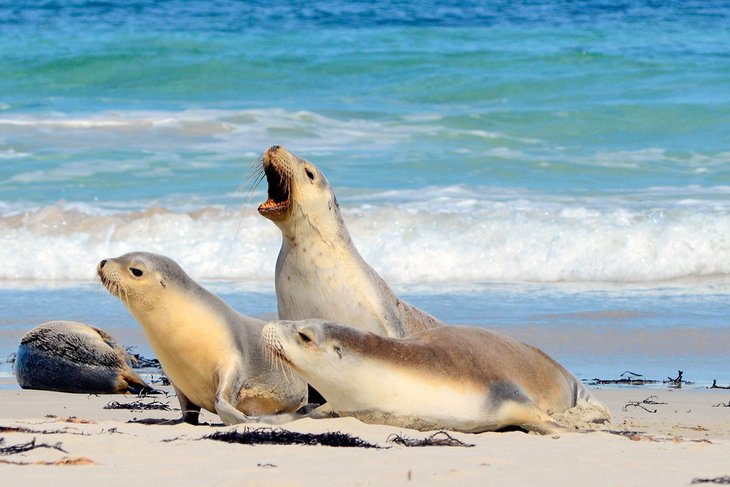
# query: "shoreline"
{"type": "Point", "coordinates": [687, 438]}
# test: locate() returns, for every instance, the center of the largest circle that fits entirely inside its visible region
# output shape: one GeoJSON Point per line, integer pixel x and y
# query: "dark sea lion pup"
{"type": "Point", "coordinates": [212, 355]}
{"type": "Point", "coordinates": [319, 272]}
{"type": "Point", "coordinates": [454, 377]}
{"type": "Point", "coordinates": [67, 356]}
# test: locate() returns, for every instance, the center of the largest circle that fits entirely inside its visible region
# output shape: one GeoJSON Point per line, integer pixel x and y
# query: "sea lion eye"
{"type": "Point", "coordinates": [338, 350]}
{"type": "Point", "coordinates": [136, 272]}
{"type": "Point", "coordinates": [310, 174]}
{"type": "Point", "coordinates": [304, 337]}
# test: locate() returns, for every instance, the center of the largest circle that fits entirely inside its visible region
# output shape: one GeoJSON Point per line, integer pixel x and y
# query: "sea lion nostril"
{"type": "Point", "coordinates": [273, 149]}
{"type": "Point", "coordinates": [102, 263]}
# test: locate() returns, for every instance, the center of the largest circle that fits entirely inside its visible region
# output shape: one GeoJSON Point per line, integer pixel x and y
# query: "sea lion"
{"type": "Point", "coordinates": [454, 377]}
{"type": "Point", "coordinates": [211, 354]}
{"type": "Point", "coordinates": [319, 272]}
{"type": "Point", "coordinates": [67, 356]}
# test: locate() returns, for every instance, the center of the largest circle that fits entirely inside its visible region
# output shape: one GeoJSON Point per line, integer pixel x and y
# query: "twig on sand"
{"type": "Point", "coordinates": [440, 438]}
{"type": "Point", "coordinates": [139, 406]}
{"type": "Point", "coordinates": [715, 386]}
{"type": "Point", "coordinates": [717, 480]}
{"type": "Point", "coordinates": [63, 461]}
{"type": "Point", "coordinates": [722, 405]}
{"type": "Point", "coordinates": [276, 436]}
{"type": "Point", "coordinates": [22, 429]}
{"type": "Point", "coordinates": [641, 404]}
{"type": "Point", "coordinates": [24, 447]}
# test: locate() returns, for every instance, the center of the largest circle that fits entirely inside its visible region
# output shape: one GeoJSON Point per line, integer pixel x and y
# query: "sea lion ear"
{"type": "Point", "coordinates": [161, 280]}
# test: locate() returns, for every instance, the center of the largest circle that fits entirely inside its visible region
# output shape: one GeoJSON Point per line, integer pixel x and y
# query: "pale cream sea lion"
{"type": "Point", "coordinates": [67, 356]}
{"type": "Point", "coordinates": [459, 378]}
{"type": "Point", "coordinates": [319, 272]}
{"type": "Point", "coordinates": [212, 355]}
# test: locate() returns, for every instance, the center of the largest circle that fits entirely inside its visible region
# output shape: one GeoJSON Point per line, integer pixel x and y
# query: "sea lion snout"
{"type": "Point", "coordinates": [273, 149]}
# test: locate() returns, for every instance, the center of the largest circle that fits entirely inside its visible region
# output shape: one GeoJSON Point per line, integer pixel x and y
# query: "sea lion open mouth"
{"type": "Point", "coordinates": [278, 203]}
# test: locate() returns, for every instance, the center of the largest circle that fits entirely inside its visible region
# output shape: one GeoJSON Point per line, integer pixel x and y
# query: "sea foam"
{"type": "Point", "coordinates": [444, 239]}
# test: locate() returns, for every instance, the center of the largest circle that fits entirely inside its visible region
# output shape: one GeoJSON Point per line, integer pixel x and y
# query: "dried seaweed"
{"type": "Point", "coordinates": [277, 436]}
{"type": "Point", "coordinates": [725, 480]}
{"type": "Point", "coordinates": [139, 406]}
{"type": "Point", "coordinates": [722, 405]}
{"type": "Point", "coordinates": [440, 438]}
{"type": "Point", "coordinates": [642, 404]}
{"type": "Point", "coordinates": [628, 378]}
{"type": "Point", "coordinates": [24, 447]}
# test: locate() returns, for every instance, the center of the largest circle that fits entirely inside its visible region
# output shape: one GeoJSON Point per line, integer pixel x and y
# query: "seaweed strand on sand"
{"type": "Point", "coordinates": [276, 436]}
{"type": "Point", "coordinates": [139, 406]}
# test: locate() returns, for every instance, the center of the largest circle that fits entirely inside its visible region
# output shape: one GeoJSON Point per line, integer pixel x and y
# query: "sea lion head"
{"type": "Point", "coordinates": [317, 346]}
{"type": "Point", "coordinates": [297, 190]}
{"type": "Point", "coordinates": [140, 279]}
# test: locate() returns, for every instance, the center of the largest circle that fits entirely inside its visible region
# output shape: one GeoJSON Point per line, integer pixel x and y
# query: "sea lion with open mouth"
{"type": "Point", "coordinates": [319, 272]}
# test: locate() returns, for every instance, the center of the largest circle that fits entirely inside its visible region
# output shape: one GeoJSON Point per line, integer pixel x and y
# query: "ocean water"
{"type": "Point", "coordinates": [558, 170]}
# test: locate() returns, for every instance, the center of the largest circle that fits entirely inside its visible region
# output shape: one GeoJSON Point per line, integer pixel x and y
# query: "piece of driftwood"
{"type": "Point", "coordinates": [715, 386]}
{"type": "Point", "coordinates": [24, 447]}
{"type": "Point", "coordinates": [651, 400]}
{"type": "Point", "coordinates": [440, 438]}
{"type": "Point", "coordinates": [722, 405]}
{"type": "Point", "coordinates": [139, 406]}
{"type": "Point", "coordinates": [677, 381]}
{"type": "Point", "coordinates": [725, 480]}
{"type": "Point", "coordinates": [277, 436]}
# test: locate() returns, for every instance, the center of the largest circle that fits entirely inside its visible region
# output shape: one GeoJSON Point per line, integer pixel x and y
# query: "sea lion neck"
{"type": "Point", "coordinates": [315, 227]}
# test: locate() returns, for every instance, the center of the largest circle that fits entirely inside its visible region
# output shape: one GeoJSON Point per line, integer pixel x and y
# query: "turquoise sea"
{"type": "Point", "coordinates": [559, 170]}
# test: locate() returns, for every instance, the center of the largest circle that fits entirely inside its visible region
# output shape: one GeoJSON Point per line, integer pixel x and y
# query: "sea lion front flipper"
{"type": "Point", "coordinates": [190, 411]}
{"type": "Point", "coordinates": [229, 387]}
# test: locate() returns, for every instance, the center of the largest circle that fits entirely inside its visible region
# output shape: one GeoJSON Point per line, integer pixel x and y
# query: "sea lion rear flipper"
{"type": "Point", "coordinates": [135, 384]}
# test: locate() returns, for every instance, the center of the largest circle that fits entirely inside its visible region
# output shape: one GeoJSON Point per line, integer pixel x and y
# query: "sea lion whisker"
{"type": "Point", "coordinates": [254, 186]}
{"type": "Point", "coordinates": [254, 167]}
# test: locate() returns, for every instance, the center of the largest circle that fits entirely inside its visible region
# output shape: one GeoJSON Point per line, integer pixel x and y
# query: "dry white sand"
{"type": "Point", "coordinates": [685, 439]}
